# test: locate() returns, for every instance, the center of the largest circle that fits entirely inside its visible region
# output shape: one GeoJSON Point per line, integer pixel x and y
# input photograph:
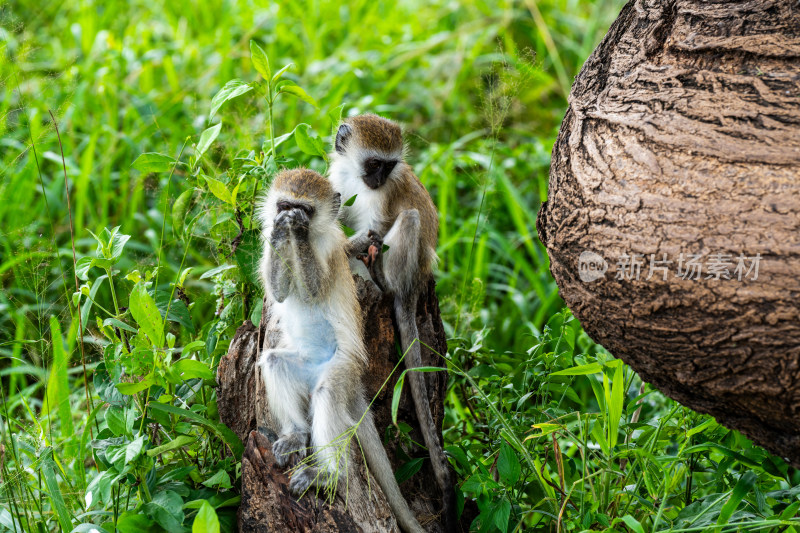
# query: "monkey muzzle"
{"type": "Point", "coordinates": [377, 172]}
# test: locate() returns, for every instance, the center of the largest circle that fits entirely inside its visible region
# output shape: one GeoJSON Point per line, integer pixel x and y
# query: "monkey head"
{"type": "Point", "coordinates": [372, 146]}
{"type": "Point", "coordinates": [301, 200]}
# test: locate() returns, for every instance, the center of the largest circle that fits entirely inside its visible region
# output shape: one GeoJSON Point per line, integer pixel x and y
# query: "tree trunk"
{"type": "Point", "coordinates": [267, 505]}
{"type": "Point", "coordinates": [683, 137]}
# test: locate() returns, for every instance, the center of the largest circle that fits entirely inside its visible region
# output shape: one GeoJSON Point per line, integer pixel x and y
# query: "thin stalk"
{"type": "Point", "coordinates": [89, 404]}
{"type": "Point", "coordinates": [164, 214]}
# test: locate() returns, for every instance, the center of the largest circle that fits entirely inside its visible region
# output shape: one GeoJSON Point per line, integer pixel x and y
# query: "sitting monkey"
{"type": "Point", "coordinates": [313, 374]}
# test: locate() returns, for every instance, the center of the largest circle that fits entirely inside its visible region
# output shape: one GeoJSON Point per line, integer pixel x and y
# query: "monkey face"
{"type": "Point", "coordinates": [293, 215]}
{"type": "Point", "coordinates": [376, 171]}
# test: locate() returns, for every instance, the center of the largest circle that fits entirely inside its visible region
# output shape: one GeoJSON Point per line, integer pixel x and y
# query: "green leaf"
{"type": "Point", "coordinates": [133, 522]}
{"type": "Point", "coordinates": [220, 429]}
{"type": "Point", "coordinates": [206, 520]}
{"type": "Point", "coordinates": [146, 314]}
{"type": "Point", "coordinates": [57, 392]}
{"type": "Point", "coordinates": [82, 267]}
{"type": "Point", "coordinates": [219, 190]}
{"type": "Point", "coordinates": [614, 402]}
{"type": "Point", "coordinates": [117, 420]}
{"type": "Point", "coordinates": [179, 209]}
{"type": "Point", "coordinates": [335, 116]}
{"type": "Point", "coordinates": [407, 470]}
{"type": "Point", "coordinates": [508, 465]}
{"type": "Point", "coordinates": [582, 370]}
{"type": "Point", "coordinates": [178, 312]}
{"type": "Point", "coordinates": [743, 486]}
{"type": "Point", "coordinates": [260, 61]}
{"type": "Point", "coordinates": [130, 389]}
{"type": "Point", "coordinates": [177, 442]}
{"type": "Point", "coordinates": [191, 368]}
{"type": "Point", "coordinates": [210, 273]}
{"type": "Point", "coordinates": [221, 479]}
{"type": "Point", "coordinates": [104, 384]}
{"type": "Point", "coordinates": [117, 245]}
{"type": "Point", "coordinates": [153, 162]}
{"type": "Point", "coordinates": [231, 90]}
{"type": "Point", "coordinates": [350, 201]}
{"type": "Point", "coordinates": [248, 256]}
{"type": "Point", "coordinates": [166, 509]}
{"type": "Point", "coordinates": [296, 90]}
{"type": "Point", "coordinates": [206, 138]}
{"type": "Point", "coordinates": [500, 514]}
{"type": "Point", "coordinates": [278, 75]}
{"type": "Point", "coordinates": [308, 143]}
{"type": "Point", "coordinates": [115, 323]}
{"type": "Point", "coordinates": [632, 523]}
{"type": "Point", "coordinates": [48, 469]}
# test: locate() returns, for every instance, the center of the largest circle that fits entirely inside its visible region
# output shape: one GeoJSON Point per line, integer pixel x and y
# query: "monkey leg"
{"type": "Point", "coordinates": [331, 424]}
{"type": "Point", "coordinates": [401, 260]}
{"type": "Point", "coordinates": [287, 393]}
{"type": "Point", "coordinates": [373, 260]}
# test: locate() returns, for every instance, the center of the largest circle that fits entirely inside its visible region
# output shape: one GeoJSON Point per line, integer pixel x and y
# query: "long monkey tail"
{"type": "Point", "coordinates": [405, 312]}
{"type": "Point", "coordinates": [382, 470]}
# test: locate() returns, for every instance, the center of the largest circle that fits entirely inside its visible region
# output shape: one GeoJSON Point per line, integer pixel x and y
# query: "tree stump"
{"type": "Point", "coordinates": [683, 137]}
{"type": "Point", "coordinates": [267, 505]}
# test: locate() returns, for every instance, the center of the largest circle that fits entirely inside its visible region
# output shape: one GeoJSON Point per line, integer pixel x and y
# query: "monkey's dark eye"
{"type": "Point", "coordinates": [371, 166]}
{"type": "Point", "coordinates": [307, 209]}
{"type": "Point", "coordinates": [284, 206]}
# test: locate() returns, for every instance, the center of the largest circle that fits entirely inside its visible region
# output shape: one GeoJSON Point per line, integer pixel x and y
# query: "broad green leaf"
{"type": "Point", "coordinates": [260, 61]}
{"type": "Point", "coordinates": [82, 267]}
{"type": "Point", "coordinates": [407, 470]}
{"type": "Point", "coordinates": [508, 465]}
{"type": "Point", "coordinates": [632, 523]}
{"type": "Point", "coordinates": [133, 522]}
{"type": "Point", "coordinates": [166, 509]}
{"type": "Point", "coordinates": [177, 442]}
{"type": "Point", "coordinates": [206, 520]}
{"type": "Point", "coordinates": [178, 312]}
{"type": "Point", "coordinates": [146, 314]}
{"type": "Point", "coordinates": [296, 90]}
{"type": "Point", "coordinates": [335, 116]}
{"type": "Point", "coordinates": [350, 201]}
{"type": "Point", "coordinates": [117, 245]}
{"type": "Point", "coordinates": [231, 90]}
{"type": "Point", "coordinates": [219, 190]}
{"type": "Point", "coordinates": [582, 370]}
{"type": "Point", "coordinates": [153, 162]}
{"type": "Point", "coordinates": [105, 385]}
{"type": "Point", "coordinates": [191, 368]}
{"type": "Point", "coordinates": [206, 138]}
{"type": "Point", "coordinates": [117, 420]}
{"type": "Point", "coordinates": [308, 144]}
{"type": "Point", "coordinates": [615, 401]}
{"type": "Point", "coordinates": [221, 479]}
{"type": "Point", "coordinates": [500, 514]}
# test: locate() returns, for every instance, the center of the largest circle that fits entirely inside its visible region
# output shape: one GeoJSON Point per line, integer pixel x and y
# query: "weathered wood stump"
{"type": "Point", "coordinates": [267, 505]}
{"type": "Point", "coordinates": [681, 150]}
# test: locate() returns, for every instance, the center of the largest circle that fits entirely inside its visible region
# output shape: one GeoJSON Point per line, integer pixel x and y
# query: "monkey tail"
{"type": "Point", "coordinates": [381, 469]}
{"type": "Point", "coordinates": [409, 341]}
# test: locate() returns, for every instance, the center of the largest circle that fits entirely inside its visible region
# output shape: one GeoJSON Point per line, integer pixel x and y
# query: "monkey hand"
{"type": "Point", "coordinates": [373, 249]}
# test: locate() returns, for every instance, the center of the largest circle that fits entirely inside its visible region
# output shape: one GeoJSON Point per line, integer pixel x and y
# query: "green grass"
{"type": "Point", "coordinates": [547, 431]}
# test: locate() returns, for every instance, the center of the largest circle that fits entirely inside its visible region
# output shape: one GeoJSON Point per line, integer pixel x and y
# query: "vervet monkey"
{"type": "Point", "coordinates": [313, 375]}
{"type": "Point", "coordinates": [393, 207]}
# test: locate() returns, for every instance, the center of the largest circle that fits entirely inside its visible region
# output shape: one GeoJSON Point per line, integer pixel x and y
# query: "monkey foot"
{"type": "Point", "coordinates": [374, 249]}
{"type": "Point", "coordinates": [290, 448]}
{"type": "Point", "coordinates": [303, 479]}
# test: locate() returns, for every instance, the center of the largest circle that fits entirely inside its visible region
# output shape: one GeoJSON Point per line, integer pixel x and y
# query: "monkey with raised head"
{"type": "Point", "coordinates": [392, 207]}
{"type": "Point", "coordinates": [313, 374]}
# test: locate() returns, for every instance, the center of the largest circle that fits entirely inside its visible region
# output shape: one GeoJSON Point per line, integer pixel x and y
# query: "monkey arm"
{"type": "Point", "coordinates": [358, 243]}
{"type": "Point", "coordinates": [280, 268]}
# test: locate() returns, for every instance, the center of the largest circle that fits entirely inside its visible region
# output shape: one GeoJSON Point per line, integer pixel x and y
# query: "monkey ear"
{"type": "Point", "coordinates": [337, 203]}
{"type": "Point", "coordinates": [344, 132]}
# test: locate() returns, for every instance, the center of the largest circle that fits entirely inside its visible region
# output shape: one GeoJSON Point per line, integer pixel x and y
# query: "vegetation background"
{"type": "Point", "coordinates": [109, 414]}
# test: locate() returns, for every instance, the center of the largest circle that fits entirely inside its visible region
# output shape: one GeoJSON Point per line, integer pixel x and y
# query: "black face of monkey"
{"type": "Point", "coordinates": [294, 215]}
{"type": "Point", "coordinates": [376, 171]}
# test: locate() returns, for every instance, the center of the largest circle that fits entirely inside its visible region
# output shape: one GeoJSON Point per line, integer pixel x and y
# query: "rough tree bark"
{"type": "Point", "coordinates": [267, 505]}
{"type": "Point", "coordinates": [683, 137]}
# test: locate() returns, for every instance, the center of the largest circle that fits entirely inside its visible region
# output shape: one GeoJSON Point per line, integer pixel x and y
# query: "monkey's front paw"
{"type": "Point", "coordinates": [302, 480]}
{"type": "Point", "coordinates": [290, 449]}
{"type": "Point", "coordinates": [374, 249]}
